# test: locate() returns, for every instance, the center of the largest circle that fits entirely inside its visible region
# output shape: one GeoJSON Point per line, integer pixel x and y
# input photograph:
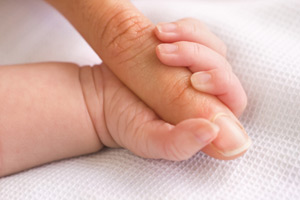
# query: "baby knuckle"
{"type": "Point", "coordinates": [197, 49]}
{"type": "Point", "coordinates": [176, 91]}
{"type": "Point", "coordinates": [126, 30]}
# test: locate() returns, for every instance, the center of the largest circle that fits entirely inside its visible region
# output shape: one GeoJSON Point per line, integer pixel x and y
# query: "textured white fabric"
{"type": "Point", "coordinates": [263, 39]}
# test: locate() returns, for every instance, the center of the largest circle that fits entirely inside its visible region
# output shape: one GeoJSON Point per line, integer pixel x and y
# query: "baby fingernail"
{"type": "Point", "coordinates": [201, 77]}
{"type": "Point", "coordinates": [232, 139]}
{"type": "Point", "coordinates": [167, 48]}
{"type": "Point", "coordinates": [201, 80]}
{"type": "Point", "coordinates": [206, 137]}
{"type": "Point", "coordinates": [167, 27]}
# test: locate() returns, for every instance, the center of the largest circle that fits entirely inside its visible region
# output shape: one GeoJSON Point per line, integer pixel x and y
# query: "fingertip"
{"type": "Point", "coordinates": [215, 82]}
{"type": "Point", "coordinates": [167, 32]}
{"type": "Point", "coordinates": [157, 51]}
{"type": "Point", "coordinates": [167, 27]}
{"type": "Point", "coordinates": [205, 137]}
{"type": "Point", "coordinates": [167, 53]}
{"type": "Point", "coordinates": [169, 49]}
{"type": "Point", "coordinates": [159, 54]}
{"type": "Point", "coordinates": [233, 139]}
{"type": "Point", "coordinates": [157, 30]}
{"type": "Point", "coordinates": [225, 85]}
{"type": "Point", "coordinates": [202, 81]}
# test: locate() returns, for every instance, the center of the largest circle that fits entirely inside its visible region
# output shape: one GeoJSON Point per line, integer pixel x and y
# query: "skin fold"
{"type": "Point", "coordinates": [52, 111]}
{"type": "Point", "coordinates": [125, 41]}
{"type": "Point", "coordinates": [58, 110]}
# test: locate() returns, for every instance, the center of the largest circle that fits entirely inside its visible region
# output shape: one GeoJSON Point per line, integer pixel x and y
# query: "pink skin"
{"type": "Point", "coordinates": [191, 44]}
{"type": "Point", "coordinates": [47, 113]}
{"type": "Point", "coordinates": [49, 116]}
{"type": "Point", "coordinates": [124, 39]}
{"type": "Point", "coordinates": [135, 126]}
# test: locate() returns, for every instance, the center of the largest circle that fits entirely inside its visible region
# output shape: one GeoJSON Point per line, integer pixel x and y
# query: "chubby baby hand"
{"type": "Point", "coordinates": [189, 43]}
{"type": "Point", "coordinates": [133, 125]}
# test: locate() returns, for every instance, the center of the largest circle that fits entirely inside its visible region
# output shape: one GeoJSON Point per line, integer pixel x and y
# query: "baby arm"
{"type": "Point", "coordinates": [43, 116]}
{"type": "Point", "coordinates": [52, 111]}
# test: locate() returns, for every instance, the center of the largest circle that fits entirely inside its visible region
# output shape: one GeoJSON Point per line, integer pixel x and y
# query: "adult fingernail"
{"type": "Point", "coordinates": [167, 48]}
{"type": "Point", "coordinates": [206, 137]}
{"type": "Point", "coordinates": [201, 80]}
{"type": "Point", "coordinates": [167, 27]}
{"type": "Point", "coordinates": [232, 139]}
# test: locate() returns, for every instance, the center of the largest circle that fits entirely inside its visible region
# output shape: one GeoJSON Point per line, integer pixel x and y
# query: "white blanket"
{"type": "Point", "coordinates": [263, 38]}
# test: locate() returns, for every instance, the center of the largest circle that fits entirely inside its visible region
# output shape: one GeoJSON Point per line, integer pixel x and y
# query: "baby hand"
{"type": "Point", "coordinates": [189, 43]}
{"type": "Point", "coordinates": [133, 125]}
